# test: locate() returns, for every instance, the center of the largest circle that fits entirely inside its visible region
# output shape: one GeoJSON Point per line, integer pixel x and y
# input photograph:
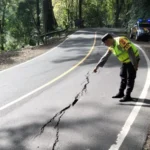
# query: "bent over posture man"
{"type": "Point", "coordinates": [128, 55]}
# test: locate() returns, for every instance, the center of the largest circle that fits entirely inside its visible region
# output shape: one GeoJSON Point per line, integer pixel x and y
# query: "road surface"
{"type": "Point", "coordinates": [33, 92]}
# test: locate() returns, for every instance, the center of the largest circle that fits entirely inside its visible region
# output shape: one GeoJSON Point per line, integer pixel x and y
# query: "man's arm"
{"type": "Point", "coordinates": [133, 58]}
{"type": "Point", "coordinates": [103, 60]}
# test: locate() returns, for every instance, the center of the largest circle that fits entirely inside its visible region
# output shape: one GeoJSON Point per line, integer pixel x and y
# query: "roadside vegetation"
{"type": "Point", "coordinates": [32, 22]}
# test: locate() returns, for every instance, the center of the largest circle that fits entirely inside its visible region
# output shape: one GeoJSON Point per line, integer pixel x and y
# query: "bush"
{"type": "Point", "coordinates": [32, 42]}
{"type": "Point", "coordinates": [12, 46]}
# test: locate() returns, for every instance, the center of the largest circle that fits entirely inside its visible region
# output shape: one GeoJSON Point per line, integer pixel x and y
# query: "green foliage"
{"type": "Point", "coordinates": [32, 42]}
{"type": "Point", "coordinates": [18, 19]}
{"type": "Point", "coordinates": [61, 10]}
{"type": "Point", "coordinates": [12, 45]}
{"type": "Point", "coordinates": [19, 23]}
{"type": "Point", "coordinates": [95, 13]}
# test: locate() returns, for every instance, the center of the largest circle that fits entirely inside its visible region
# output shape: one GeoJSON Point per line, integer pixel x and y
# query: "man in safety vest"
{"type": "Point", "coordinates": [128, 55]}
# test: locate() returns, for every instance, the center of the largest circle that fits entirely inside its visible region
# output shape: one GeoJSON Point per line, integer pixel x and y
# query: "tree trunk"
{"type": "Point", "coordinates": [68, 12]}
{"type": "Point", "coordinates": [80, 9]}
{"type": "Point", "coordinates": [80, 13]}
{"type": "Point", "coordinates": [2, 28]}
{"type": "Point", "coordinates": [48, 16]}
{"type": "Point", "coordinates": [117, 13]}
{"type": "Point", "coordinates": [77, 4]}
{"type": "Point", "coordinates": [119, 4]}
{"type": "Point", "coordinates": [36, 22]}
{"type": "Point", "coordinates": [38, 17]}
{"type": "Point", "coordinates": [71, 14]}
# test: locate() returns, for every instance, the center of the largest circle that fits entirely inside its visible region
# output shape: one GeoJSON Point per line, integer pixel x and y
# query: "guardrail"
{"type": "Point", "coordinates": [48, 35]}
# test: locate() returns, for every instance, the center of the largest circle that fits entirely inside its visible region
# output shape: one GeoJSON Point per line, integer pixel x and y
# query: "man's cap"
{"type": "Point", "coordinates": [107, 36]}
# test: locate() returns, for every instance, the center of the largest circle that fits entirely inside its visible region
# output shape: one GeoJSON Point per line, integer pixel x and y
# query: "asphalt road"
{"type": "Point", "coordinates": [33, 92]}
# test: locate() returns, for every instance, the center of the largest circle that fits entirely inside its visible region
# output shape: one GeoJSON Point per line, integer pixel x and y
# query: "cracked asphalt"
{"type": "Point", "coordinates": [75, 112]}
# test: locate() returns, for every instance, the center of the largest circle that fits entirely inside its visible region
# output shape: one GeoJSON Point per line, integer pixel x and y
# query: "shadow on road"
{"type": "Point", "coordinates": [15, 138]}
{"type": "Point", "coordinates": [144, 102]}
{"type": "Point", "coordinates": [76, 48]}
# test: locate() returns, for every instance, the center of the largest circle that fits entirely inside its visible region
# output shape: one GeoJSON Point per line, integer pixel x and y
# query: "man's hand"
{"type": "Point", "coordinates": [136, 67]}
{"type": "Point", "coordinates": [95, 70]}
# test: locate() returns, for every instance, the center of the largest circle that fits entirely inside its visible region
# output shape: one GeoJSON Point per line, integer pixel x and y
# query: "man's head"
{"type": "Point", "coordinates": [108, 39]}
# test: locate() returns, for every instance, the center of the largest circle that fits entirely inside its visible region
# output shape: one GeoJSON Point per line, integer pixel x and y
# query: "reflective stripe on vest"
{"type": "Point", "coordinates": [121, 48]}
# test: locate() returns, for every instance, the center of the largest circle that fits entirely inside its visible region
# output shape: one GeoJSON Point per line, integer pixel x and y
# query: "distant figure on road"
{"type": "Point", "coordinates": [128, 55]}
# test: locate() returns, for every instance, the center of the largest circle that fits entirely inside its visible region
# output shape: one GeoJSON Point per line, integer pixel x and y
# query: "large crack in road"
{"type": "Point", "coordinates": [60, 114]}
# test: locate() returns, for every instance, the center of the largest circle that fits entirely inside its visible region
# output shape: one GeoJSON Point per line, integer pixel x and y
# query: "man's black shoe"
{"type": "Point", "coordinates": [119, 95]}
{"type": "Point", "coordinates": [126, 99]}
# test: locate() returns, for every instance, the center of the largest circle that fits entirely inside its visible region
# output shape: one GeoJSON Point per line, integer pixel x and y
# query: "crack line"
{"type": "Point", "coordinates": [62, 112]}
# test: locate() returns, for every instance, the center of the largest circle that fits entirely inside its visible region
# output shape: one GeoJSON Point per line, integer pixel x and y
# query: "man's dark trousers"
{"type": "Point", "coordinates": [128, 75]}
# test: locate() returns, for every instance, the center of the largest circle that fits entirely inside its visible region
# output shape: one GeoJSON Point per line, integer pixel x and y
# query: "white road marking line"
{"type": "Point", "coordinates": [52, 81]}
{"type": "Point", "coordinates": [123, 133]}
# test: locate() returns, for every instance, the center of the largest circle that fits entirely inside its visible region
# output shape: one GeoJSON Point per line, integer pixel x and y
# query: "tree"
{"type": "Point", "coordinates": [80, 12]}
{"type": "Point", "coordinates": [4, 4]}
{"type": "Point", "coordinates": [119, 4]}
{"type": "Point", "coordinates": [22, 22]}
{"type": "Point", "coordinates": [38, 18]}
{"type": "Point", "coordinates": [65, 12]}
{"type": "Point", "coordinates": [48, 16]}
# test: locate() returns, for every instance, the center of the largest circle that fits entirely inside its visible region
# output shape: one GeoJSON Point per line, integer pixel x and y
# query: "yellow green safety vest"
{"type": "Point", "coordinates": [120, 50]}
